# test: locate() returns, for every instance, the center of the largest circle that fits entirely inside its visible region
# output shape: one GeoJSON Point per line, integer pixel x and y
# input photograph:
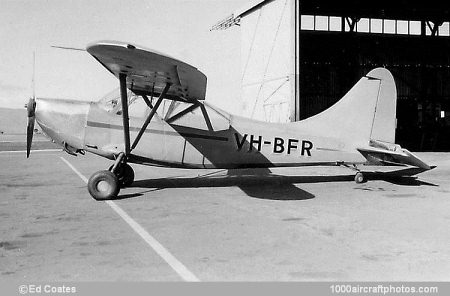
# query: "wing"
{"type": "Point", "coordinates": [148, 71]}
{"type": "Point", "coordinates": [391, 154]}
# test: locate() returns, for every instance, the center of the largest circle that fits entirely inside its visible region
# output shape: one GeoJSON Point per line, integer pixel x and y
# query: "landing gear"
{"type": "Point", "coordinates": [106, 184]}
{"type": "Point", "coordinates": [125, 174]}
{"type": "Point", "coordinates": [359, 178]}
{"type": "Point", "coordinates": [103, 185]}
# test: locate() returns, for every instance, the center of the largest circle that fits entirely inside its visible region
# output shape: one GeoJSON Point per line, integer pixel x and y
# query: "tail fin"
{"type": "Point", "coordinates": [366, 112]}
{"type": "Point", "coordinates": [366, 117]}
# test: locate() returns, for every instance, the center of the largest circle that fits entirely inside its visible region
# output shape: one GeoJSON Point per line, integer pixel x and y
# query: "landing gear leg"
{"type": "Point", "coordinates": [359, 177]}
{"type": "Point", "coordinates": [123, 171]}
{"type": "Point", "coordinates": [125, 174]}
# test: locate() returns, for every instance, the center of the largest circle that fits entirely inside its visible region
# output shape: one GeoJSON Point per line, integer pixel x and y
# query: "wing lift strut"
{"type": "Point", "coordinates": [122, 157]}
{"type": "Point", "coordinates": [106, 184]}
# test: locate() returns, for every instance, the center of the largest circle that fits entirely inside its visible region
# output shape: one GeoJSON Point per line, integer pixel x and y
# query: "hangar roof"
{"type": "Point", "coordinates": [416, 10]}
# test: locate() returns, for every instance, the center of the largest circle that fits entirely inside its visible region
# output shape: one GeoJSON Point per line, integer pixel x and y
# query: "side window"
{"type": "Point", "coordinates": [137, 107]}
{"type": "Point", "coordinates": [196, 118]}
{"type": "Point", "coordinates": [168, 107]}
{"type": "Point", "coordinates": [219, 121]}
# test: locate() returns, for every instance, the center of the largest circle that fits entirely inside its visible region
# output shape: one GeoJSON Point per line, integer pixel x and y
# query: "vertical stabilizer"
{"type": "Point", "coordinates": [366, 112]}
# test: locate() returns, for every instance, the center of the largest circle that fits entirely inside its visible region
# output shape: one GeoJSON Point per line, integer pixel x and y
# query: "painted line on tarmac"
{"type": "Point", "coordinates": [156, 246]}
{"type": "Point", "coordinates": [173, 262]}
{"type": "Point", "coordinates": [25, 151]}
{"type": "Point", "coordinates": [85, 180]}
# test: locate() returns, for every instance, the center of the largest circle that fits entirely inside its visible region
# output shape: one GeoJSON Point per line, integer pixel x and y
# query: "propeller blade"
{"type": "Point", "coordinates": [30, 131]}
{"type": "Point", "coordinates": [31, 107]}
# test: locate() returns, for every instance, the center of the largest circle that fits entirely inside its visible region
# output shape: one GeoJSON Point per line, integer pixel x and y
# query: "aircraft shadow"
{"type": "Point", "coordinates": [399, 180]}
{"type": "Point", "coordinates": [258, 183]}
{"type": "Point", "coordinates": [403, 177]}
{"type": "Point", "coordinates": [263, 184]}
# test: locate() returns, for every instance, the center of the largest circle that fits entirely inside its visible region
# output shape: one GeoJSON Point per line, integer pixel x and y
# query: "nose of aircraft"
{"type": "Point", "coordinates": [63, 120]}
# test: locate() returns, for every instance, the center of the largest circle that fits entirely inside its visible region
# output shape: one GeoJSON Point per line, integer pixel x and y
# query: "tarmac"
{"type": "Point", "coordinates": [296, 224]}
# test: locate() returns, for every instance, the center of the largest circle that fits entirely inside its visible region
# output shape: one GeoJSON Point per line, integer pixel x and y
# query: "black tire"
{"type": "Point", "coordinates": [125, 175]}
{"type": "Point", "coordinates": [359, 178]}
{"type": "Point", "coordinates": [103, 185]}
{"type": "Point", "coordinates": [128, 176]}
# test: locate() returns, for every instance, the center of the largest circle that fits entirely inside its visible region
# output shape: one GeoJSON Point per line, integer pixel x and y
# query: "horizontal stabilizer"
{"type": "Point", "coordinates": [380, 153]}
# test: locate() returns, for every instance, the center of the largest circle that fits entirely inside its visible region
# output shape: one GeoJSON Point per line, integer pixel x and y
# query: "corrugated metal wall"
{"type": "Point", "coordinates": [331, 62]}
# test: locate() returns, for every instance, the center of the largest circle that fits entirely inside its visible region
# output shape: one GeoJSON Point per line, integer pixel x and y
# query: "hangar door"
{"type": "Point", "coordinates": [331, 62]}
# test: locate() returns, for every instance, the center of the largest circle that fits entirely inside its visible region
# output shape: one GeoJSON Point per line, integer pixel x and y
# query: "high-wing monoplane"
{"type": "Point", "coordinates": [161, 118]}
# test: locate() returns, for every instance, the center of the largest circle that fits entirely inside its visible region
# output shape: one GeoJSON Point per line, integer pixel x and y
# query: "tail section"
{"type": "Point", "coordinates": [366, 119]}
{"type": "Point", "coordinates": [366, 112]}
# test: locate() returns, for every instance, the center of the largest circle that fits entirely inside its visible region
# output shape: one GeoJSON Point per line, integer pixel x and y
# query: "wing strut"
{"type": "Point", "coordinates": [207, 120]}
{"type": "Point", "coordinates": [150, 116]}
{"type": "Point", "coordinates": [126, 123]}
{"type": "Point", "coordinates": [147, 101]}
{"type": "Point", "coordinates": [182, 113]}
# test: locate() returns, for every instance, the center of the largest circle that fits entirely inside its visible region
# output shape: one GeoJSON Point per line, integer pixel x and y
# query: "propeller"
{"type": "Point", "coordinates": [31, 107]}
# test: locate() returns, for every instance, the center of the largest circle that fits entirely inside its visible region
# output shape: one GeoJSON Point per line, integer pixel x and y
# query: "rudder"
{"type": "Point", "coordinates": [384, 122]}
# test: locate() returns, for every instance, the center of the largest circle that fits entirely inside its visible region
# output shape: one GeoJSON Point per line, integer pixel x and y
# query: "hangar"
{"type": "Point", "coordinates": [298, 57]}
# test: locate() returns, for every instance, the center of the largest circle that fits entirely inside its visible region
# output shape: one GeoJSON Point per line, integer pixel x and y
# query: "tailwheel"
{"type": "Point", "coordinates": [124, 174]}
{"type": "Point", "coordinates": [103, 185]}
{"type": "Point", "coordinates": [359, 178]}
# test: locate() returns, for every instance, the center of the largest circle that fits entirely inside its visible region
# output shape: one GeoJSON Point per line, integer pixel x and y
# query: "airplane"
{"type": "Point", "coordinates": [161, 118]}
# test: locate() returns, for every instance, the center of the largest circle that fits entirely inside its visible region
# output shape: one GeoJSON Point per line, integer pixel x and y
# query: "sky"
{"type": "Point", "coordinates": [178, 28]}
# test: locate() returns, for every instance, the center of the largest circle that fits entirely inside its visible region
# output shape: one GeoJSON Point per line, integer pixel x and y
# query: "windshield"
{"type": "Point", "coordinates": [136, 105]}
{"type": "Point", "coordinates": [111, 101]}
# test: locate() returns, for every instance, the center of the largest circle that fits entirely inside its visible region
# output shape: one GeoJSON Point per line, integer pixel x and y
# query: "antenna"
{"type": "Point", "coordinates": [68, 48]}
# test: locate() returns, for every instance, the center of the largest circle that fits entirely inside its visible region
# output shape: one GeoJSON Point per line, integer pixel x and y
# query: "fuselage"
{"type": "Point", "coordinates": [227, 141]}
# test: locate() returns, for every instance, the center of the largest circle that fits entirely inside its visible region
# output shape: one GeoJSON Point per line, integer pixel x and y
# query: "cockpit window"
{"type": "Point", "coordinates": [111, 103]}
{"type": "Point", "coordinates": [137, 108]}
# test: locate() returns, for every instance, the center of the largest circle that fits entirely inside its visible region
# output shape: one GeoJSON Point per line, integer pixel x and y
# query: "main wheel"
{"type": "Point", "coordinates": [128, 176]}
{"type": "Point", "coordinates": [103, 185]}
{"type": "Point", "coordinates": [359, 178]}
{"type": "Point", "coordinates": [125, 175]}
